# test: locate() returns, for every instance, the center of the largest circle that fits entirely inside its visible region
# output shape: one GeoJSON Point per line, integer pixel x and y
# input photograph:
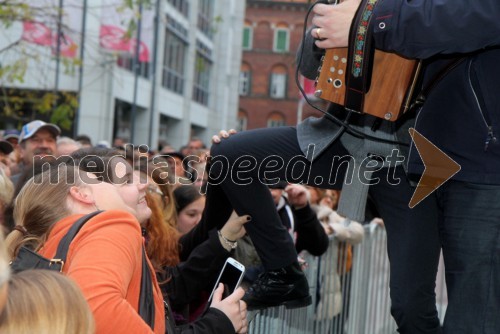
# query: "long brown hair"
{"type": "Point", "coordinates": [40, 204]}
{"type": "Point", "coordinates": [162, 235]}
{"type": "Point", "coordinates": [163, 239]}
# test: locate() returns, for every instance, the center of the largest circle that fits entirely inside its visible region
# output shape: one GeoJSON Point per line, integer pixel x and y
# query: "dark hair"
{"type": "Point", "coordinates": [84, 139]}
{"type": "Point", "coordinates": [185, 195]}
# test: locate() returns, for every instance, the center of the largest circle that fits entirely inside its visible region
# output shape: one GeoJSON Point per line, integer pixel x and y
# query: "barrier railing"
{"type": "Point", "coordinates": [350, 290]}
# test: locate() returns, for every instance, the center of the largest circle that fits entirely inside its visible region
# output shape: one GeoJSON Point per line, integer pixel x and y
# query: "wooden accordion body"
{"type": "Point", "coordinates": [392, 85]}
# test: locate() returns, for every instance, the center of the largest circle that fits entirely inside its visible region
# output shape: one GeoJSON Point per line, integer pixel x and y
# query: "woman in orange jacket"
{"type": "Point", "coordinates": [105, 257]}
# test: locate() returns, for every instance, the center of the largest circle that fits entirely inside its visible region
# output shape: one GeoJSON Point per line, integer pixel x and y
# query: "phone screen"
{"type": "Point", "coordinates": [231, 277]}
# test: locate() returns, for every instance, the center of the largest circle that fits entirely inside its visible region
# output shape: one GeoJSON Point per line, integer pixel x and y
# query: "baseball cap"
{"type": "Point", "coordinates": [5, 147]}
{"type": "Point", "coordinates": [32, 127]}
{"type": "Point", "coordinates": [10, 133]}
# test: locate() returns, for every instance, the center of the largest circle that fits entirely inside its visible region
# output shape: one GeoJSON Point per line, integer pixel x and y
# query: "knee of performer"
{"type": "Point", "coordinates": [221, 158]}
{"type": "Point", "coordinates": [415, 316]}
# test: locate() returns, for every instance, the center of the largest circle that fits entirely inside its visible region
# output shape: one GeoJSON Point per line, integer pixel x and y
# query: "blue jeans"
{"type": "Point", "coordinates": [469, 228]}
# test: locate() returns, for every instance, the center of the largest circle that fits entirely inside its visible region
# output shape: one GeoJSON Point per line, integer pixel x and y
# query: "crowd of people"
{"type": "Point", "coordinates": [159, 225]}
{"type": "Point", "coordinates": [146, 200]}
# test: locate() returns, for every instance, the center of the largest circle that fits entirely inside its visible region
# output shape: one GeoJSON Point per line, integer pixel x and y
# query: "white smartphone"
{"type": "Point", "coordinates": [231, 275]}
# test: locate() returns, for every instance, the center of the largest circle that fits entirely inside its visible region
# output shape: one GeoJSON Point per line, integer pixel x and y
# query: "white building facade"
{"type": "Point", "coordinates": [189, 87]}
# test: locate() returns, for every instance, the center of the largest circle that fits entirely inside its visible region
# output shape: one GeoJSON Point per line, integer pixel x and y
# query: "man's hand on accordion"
{"type": "Point", "coordinates": [332, 23]}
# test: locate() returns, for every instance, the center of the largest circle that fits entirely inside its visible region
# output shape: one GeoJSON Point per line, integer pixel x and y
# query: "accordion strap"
{"type": "Point", "coordinates": [360, 57]}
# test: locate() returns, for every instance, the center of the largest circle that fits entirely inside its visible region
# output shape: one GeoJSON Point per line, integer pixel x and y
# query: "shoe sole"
{"type": "Point", "coordinates": [289, 304]}
{"type": "Point", "coordinates": [298, 303]}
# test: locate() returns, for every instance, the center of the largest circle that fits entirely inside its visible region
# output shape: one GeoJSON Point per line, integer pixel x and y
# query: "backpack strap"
{"type": "Point", "coordinates": [62, 248]}
{"type": "Point", "coordinates": [146, 298]}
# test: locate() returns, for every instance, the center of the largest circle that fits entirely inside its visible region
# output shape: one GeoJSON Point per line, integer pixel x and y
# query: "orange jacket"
{"type": "Point", "coordinates": [105, 260]}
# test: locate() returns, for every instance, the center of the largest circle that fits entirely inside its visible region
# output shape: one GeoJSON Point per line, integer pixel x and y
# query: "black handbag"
{"type": "Point", "coordinates": [28, 259]}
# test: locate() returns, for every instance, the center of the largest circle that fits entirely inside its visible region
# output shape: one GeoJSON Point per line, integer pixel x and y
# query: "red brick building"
{"type": "Point", "coordinates": [271, 36]}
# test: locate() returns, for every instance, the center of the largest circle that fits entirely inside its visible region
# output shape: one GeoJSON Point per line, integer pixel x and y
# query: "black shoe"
{"type": "Point", "coordinates": [286, 286]}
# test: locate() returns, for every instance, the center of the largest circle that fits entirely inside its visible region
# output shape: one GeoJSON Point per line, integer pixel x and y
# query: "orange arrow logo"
{"type": "Point", "coordinates": [439, 167]}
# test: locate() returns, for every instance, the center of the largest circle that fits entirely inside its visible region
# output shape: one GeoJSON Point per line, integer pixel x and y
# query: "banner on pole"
{"type": "Point", "coordinates": [113, 30]}
{"type": "Point", "coordinates": [43, 28]}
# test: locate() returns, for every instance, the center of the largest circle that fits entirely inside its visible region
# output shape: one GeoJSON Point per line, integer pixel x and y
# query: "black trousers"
{"type": "Point", "coordinates": [237, 179]}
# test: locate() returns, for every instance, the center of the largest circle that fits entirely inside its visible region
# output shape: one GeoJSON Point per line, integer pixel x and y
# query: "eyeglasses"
{"type": "Point", "coordinates": [154, 190]}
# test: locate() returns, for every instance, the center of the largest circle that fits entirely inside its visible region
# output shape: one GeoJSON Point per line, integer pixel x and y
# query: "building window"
{"type": "Point", "coordinates": [278, 82]}
{"type": "Point", "coordinates": [203, 68]}
{"type": "Point", "coordinates": [181, 5]}
{"type": "Point", "coordinates": [245, 80]}
{"type": "Point", "coordinates": [281, 40]}
{"type": "Point", "coordinates": [244, 86]}
{"type": "Point", "coordinates": [242, 120]}
{"type": "Point", "coordinates": [126, 61]}
{"type": "Point", "coordinates": [275, 119]}
{"type": "Point", "coordinates": [205, 16]}
{"type": "Point", "coordinates": [174, 56]}
{"type": "Point", "coordinates": [247, 37]}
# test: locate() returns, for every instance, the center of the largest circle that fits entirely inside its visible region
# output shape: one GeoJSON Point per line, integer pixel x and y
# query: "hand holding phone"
{"type": "Point", "coordinates": [233, 307]}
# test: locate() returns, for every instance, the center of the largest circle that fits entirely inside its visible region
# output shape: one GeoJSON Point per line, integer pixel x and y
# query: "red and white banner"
{"type": "Point", "coordinates": [43, 30]}
{"type": "Point", "coordinates": [38, 33]}
{"type": "Point", "coordinates": [113, 31]}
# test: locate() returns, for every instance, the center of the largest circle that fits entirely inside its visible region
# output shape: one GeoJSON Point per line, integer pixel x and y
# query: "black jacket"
{"type": "Point", "coordinates": [196, 274]}
{"type": "Point", "coordinates": [461, 115]}
{"type": "Point", "coordinates": [310, 234]}
{"type": "Point", "coordinates": [183, 283]}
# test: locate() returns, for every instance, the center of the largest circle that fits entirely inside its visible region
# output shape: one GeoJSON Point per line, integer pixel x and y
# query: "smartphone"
{"type": "Point", "coordinates": [231, 275]}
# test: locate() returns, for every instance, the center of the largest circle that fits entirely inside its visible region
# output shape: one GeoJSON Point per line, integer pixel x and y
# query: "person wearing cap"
{"type": "Point", "coordinates": [37, 141]}
{"type": "Point", "coordinates": [176, 165]}
{"type": "Point", "coordinates": [12, 136]}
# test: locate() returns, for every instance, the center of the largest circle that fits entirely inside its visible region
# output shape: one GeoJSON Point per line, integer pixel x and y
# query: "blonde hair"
{"type": "Point", "coordinates": [40, 204]}
{"type": "Point", "coordinates": [43, 301]}
{"type": "Point", "coordinates": [6, 188]}
{"type": "Point", "coordinates": [4, 269]}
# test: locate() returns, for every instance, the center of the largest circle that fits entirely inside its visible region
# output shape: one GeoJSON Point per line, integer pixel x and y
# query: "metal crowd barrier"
{"type": "Point", "coordinates": [363, 307]}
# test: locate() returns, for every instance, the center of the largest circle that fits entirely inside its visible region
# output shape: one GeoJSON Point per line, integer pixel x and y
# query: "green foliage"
{"type": "Point", "coordinates": [21, 104]}
{"type": "Point", "coordinates": [14, 72]}
{"type": "Point", "coordinates": [11, 12]}
{"type": "Point", "coordinates": [65, 111]}
{"type": "Point", "coordinates": [133, 5]}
